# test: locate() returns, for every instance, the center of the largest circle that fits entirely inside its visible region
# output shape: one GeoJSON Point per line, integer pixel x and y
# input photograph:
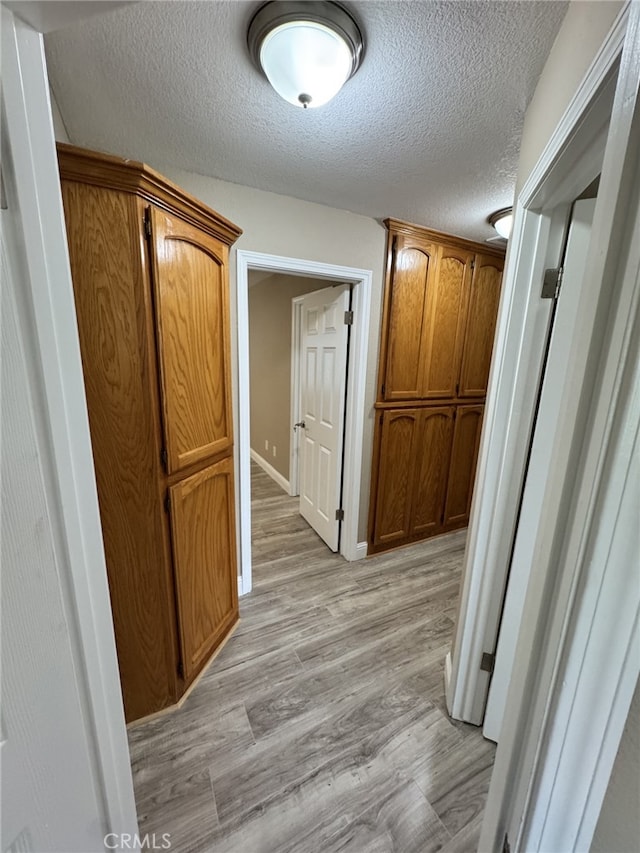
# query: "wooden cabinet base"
{"type": "Point", "coordinates": [192, 684]}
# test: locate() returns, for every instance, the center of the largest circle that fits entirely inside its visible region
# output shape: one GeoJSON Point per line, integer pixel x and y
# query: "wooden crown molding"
{"type": "Point", "coordinates": [131, 176]}
{"type": "Point", "coordinates": [397, 226]}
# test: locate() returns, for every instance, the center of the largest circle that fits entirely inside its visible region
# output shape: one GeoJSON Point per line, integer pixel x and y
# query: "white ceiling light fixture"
{"type": "Point", "coordinates": [502, 220]}
{"type": "Point", "coordinates": [307, 50]}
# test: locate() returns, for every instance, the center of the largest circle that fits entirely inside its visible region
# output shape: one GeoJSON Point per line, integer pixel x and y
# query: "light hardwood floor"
{"type": "Point", "coordinates": [321, 725]}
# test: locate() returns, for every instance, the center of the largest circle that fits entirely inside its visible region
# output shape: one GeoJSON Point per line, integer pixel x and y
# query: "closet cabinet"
{"type": "Point", "coordinates": [411, 483]}
{"type": "Point", "coordinates": [150, 272]}
{"type": "Point", "coordinates": [439, 316]}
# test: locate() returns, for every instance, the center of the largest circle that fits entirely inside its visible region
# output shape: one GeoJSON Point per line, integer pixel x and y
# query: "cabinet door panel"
{"type": "Point", "coordinates": [433, 454]}
{"type": "Point", "coordinates": [407, 303]}
{"type": "Point", "coordinates": [464, 455]}
{"type": "Point", "coordinates": [481, 326]}
{"type": "Point", "coordinates": [395, 478]}
{"type": "Point", "coordinates": [192, 316]}
{"type": "Point", "coordinates": [204, 550]}
{"type": "Point", "coordinates": [444, 322]}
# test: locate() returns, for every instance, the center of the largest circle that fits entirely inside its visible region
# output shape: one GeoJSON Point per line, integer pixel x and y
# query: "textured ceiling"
{"type": "Point", "coordinates": [428, 130]}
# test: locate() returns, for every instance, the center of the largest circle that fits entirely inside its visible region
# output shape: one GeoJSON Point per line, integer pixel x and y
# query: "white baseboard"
{"type": "Point", "coordinates": [447, 681]}
{"type": "Point", "coordinates": [361, 550]}
{"type": "Point", "coordinates": [270, 470]}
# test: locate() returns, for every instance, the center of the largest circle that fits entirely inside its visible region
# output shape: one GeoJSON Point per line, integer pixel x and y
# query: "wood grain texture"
{"type": "Point", "coordinates": [422, 233]}
{"type": "Point", "coordinates": [431, 470]}
{"type": "Point", "coordinates": [438, 325]}
{"type": "Point", "coordinates": [328, 735]}
{"type": "Point", "coordinates": [484, 299]}
{"type": "Point", "coordinates": [464, 455]}
{"type": "Point", "coordinates": [128, 331]}
{"type": "Point", "coordinates": [104, 246]}
{"type": "Point", "coordinates": [407, 303]}
{"type": "Point", "coordinates": [204, 549]}
{"type": "Point", "coordinates": [189, 275]}
{"type": "Point", "coordinates": [395, 480]}
{"type": "Point", "coordinates": [130, 176]}
{"type": "Point", "coordinates": [444, 323]}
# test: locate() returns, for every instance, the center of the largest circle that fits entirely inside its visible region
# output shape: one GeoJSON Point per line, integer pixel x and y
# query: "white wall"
{"type": "Point", "coordinates": [270, 362]}
{"type": "Point", "coordinates": [59, 129]}
{"type": "Point", "coordinates": [65, 745]}
{"type": "Point", "coordinates": [280, 225]}
{"type": "Point", "coordinates": [618, 828]}
{"type": "Point", "coordinates": [583, 30]}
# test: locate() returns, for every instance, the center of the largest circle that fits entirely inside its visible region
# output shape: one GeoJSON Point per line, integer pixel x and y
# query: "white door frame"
{"type": "Point", "coordinates": [571, 160]}
{"type": "Point", "coordinates": [296, 329]}
{"type": "Point", "coordinates": [350, 548]}
{"type": "Point", "coordinates": [577, 656]}
{"type": "Point", "coordinates": [550, 415]}
{"type": "Point", "coordinates": [71, 487]}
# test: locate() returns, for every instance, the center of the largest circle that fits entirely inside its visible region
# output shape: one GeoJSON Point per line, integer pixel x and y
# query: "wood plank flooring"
{"type": "Point", "coordinates": [321, 726]}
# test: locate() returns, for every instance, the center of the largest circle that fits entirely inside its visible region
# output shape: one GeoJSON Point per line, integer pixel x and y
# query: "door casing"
{"type": "Point", "coordinates": [350, 548]}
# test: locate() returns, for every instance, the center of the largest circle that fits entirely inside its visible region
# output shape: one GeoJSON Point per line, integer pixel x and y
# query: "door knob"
{"type": "Point", "coordinates": [300, 424]}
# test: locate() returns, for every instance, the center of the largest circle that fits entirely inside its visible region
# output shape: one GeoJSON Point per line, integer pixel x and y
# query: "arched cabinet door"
{"type": "Point", "coordinates": [464, 455]}
{"type": "Point", "coordinates": [395, 475]}
{"type": "Point", "coordinates": [204, 546]}
{"type": "Point", "coordinates": [482, 315]}
{"type": "Point", "coordinates": [431, 470]}
{"type": "Point", "coordinates": [412, 268]}
{"type": "Point", "coordinates": [443, 334]}
{"type": "Point", "coordinates": [192, 310]}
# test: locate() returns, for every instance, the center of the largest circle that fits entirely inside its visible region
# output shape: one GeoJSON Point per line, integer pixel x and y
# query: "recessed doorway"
{"type": "Point", "coordinates": [359, 283]}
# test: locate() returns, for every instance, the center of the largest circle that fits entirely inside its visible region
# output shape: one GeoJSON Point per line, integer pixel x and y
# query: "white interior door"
{"type": "Point", "coordinates": [323, 348]}
{"type": "Point", "coordinates": [539, 461]}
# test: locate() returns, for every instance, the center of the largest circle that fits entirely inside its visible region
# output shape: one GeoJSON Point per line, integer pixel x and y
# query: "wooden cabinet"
{"type": "Point", "coordinates": [150, 272]}
{"type": "Point", "coordinates": [415, 449]}
{"type": "Point", "coordinates": [439, 317]}
{"type": "Point", "coordinates": [484, 299]}
{"type": "Point", "coordinates": [464, 453]}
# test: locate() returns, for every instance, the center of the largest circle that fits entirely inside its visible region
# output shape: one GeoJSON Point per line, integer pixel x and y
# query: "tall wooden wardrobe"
{"type": "Point", "coordinates": [439, 317]}
{"type": "Point", "coordinates": [150, 272]}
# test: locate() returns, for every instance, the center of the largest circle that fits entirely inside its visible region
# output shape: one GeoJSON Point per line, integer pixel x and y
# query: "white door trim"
{"type": "Point", "coordinates": [571, 159]}
{"type": "Point", "coordinates": [577, 659]}
{"type": "Point", "coordinates": [27, 113]}
{"type": "Point", "coordinates": [296, 328]}
{"type": "Point", "coordinates": [549, 417]}
{"type": "Point", "coordinates": [352, 471]}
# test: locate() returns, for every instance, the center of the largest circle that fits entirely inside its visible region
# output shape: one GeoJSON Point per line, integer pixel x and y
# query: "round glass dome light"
{"type": "Point", "coordinates": [307, 49]}
{"type": "Point", "coordinates": [502, 221]}
{"type": "Point", "coordinates": [307, 63]}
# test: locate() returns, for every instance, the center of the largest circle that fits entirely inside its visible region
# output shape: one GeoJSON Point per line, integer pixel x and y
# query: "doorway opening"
{"type": "Point", "coordinates": [298, 352]}
{"type": "Point", "coordinates": [359, 283]}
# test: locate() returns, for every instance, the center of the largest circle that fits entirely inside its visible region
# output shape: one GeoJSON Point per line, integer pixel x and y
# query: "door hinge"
{"type": "Point", "coordinates": [382, 390]}
{"type": "Point", "coordinates": [180, 669]}
{"type": "Point", "coordinates": [164, 458]}
{"type": "Point", "coordinates": [506, 847]}
{"type": "Point", "coordinates": [147, 223]}
{"type": "Point", "coordinates": [381, 418]}
{"type": "Point", "coordinates": [473, 264]}
{"type": "Point", "coordinates": [348, 318]}
{"type": "Point", "coordinates": [488, 662]}
{"type": "Point", "coordinates": [457, 389]}
{"type": "Point", "coordinates": [167, 502]}
{"type": "Point", "coordinates": [339, 515]}
{"type": "Point", "coordinates": [551, 283]}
